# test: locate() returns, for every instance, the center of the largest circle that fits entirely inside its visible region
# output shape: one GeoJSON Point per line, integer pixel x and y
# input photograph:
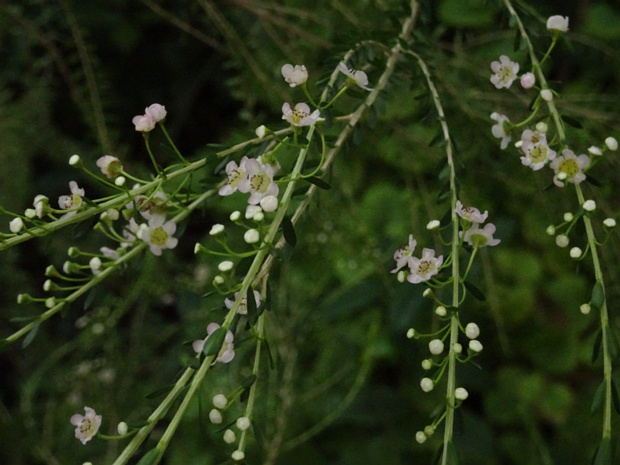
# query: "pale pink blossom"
{"type": "Point", "coordinates": [258, 181]}
{"type": "Point", "coordinates": [295, 75]}
{"type": "Point", "coordinates": [403, 254]}
{"type": "Point", "coordinates": [86, 426]}
{"type": "Point", "coordinates": [110, 166]}
{"type": "Point", "coordinates": [156, 112]}
{"type": "Point", "coordinates": [360, 77]}
{"type": "Point", "coordinates": [424, 268]}
{"type": "Point", "coordinates": [300, 116]}
{"type": "Point", "coordinates": [505, 72]}
{"type": "Point", "coordinates": [470, 214]}
{"type": "Point", "coordinates": [235, 174]}
{"type": "Point", "coordinates": [226, 353]}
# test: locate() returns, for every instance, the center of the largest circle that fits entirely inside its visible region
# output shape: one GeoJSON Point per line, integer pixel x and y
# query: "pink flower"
{"type": "Point", "coordinates": [110, 166]}
{"type": "Point", "coordinates": [235, 174]}
{"type": "Point", "coordinates": [258, 181]}
{"type": "Point", "coordinates": [295, 75]}
{"type": "Point", "coordinates": [481, 237]}
{"type": "Point", "coordinates": [301, 115]}
{"type": "Point", "coordinates": [470, 214]}
{"type": "Point", "coordinates": [403, 254]}
{"type": "Point", "coordinates": [359, 77]}
{"type": "Point", "coordinates": [243, 306]}
{"type": "Point", "coordinates": [423, 269]}
{"type": "Point", "coordinates": [156, 112]}
{"type": "Point", "coordinates": [505, 72]}
{"type": "Point", "coordinates": [226, 353]}
{"type": "Point", "coordinates": [143, 123]}
{"type": "Point", "coordinates": [86, 426]}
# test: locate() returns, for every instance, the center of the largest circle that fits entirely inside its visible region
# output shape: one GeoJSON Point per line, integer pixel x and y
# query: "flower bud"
{"type": "Point", "coordinates": [235, 216]}
{"type": "Point", "coordinates": [589, 205]}
{"type": "Point", "coordinates": [261, 131]}
{"type": "Point", "coordinates": [269, 203]}
{"type": "Point", "coordinates": [410, 333]}
{"type": "Point", "coordinates": [568, 216]}
{"type": "Point", "coordinates": [119, 181]}
{"type": "Point", "coordinates": [611, 143]}
{"type": "Point", "coordinates": [420, 437]}
{"type": "Point", "coordinates": [528, 80]}
{"type": "Point", "coordinates": [541, 126]}
{"type": "Point", "coordinates": [475, 345]}
{"type": "Point", "coordinates": [550, 230]}
{"type": "Point", "coordinates": [585, 308]}
{"type": "Point", "coordinates": [225, 266]}
{"type": "Point", "coordinates": [575, 253]}
{"type": "Point", "coordinates": [251, 236]}
{"type": "Point", "coordinates": [441, 311]}
{"type": "Point", "coordinates": [216, 229]}
{"type": "Point", "coordinates": [435, 346]}
{"type": "Point", "coordinates": [432, 225]}
{"type": "Point", "coordinates": [238, 455]}
{"type": "Point", "coordinates": [561, 240]}
{"type": "Point", "coordinates": [609, 223]}
{"type": "Point", "coordinates": [472, 331]}
{"type": "Point", "coordinates": [16, 225]}
{"type": "Point", "coordinates": [229, 436]}
{"type": "Point", "coordinates": [546, 95]}
{"type": "Point", "coordinates": [220, 401]}
{"type": "Point", "coordinates": [595, 151]}
{"type": "Point", "coordinates": [427, 384]}
{"type": "Point", "coordinates": [457, 348]}
{"type": "Point", "coordinates": [122, 428]}
{"type": "Point", "coordinates": [427, 364]}
{"type": "Point", "coordinates": [75, 160]}
{"type": "Point", "coordinates": [215, 416]}
{"type": "Point", "coordinates": [461, 393]}
{"type": "Point", "coordinates": [243, 423]}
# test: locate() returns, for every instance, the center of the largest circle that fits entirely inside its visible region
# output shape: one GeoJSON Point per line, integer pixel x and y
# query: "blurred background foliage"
{"type": "Point", "coordinates": [73, 75]}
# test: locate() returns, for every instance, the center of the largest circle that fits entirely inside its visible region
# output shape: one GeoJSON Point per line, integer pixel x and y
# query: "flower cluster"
{"type": "Point", "coordinates": [250, 176]}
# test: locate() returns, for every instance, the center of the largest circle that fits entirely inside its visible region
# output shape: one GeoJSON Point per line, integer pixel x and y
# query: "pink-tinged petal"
{"type": "Point", "coordinates": [198, 345]}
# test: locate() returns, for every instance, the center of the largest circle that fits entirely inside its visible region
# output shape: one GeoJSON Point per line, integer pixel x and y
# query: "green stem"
{"type": "Point", "coordinates": [174, 147]}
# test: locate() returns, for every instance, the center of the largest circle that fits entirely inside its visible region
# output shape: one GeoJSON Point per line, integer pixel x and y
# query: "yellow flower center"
{"type": "Point", "coordinates": [538, 154]}
{"type": "Point", "coordinates": [569, 167]}
{"type": "Point", "coordinates": [159, 237]}
{"type": "Point", "coordinates": [260, 182]}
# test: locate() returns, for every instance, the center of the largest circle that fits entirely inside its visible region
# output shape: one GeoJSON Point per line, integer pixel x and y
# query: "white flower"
{"type": "Point", "coordinates": [422, 269]}
{"type": "Point", "coordinates": [537, 152]}
{"type": "Point", "coordinates": [156, 112]}
{"type": "Point", "coordinates": [461, 393]}
{"type": "Point", "coordinates": [235, 174]}
{"type": "Point", "coordinates": [41, 205]}
{"type": "Point", "coordinates": [73, 201]}
{"type": "Point", "coordinates": [300, 116]}
{"type": "Point", "coordinates": [258, 181]}
{"type": "Point", "coordinates": [251, 211]}
{"type": "Point", "coordinates": [155, 205]}
{"type": "Point", "coordinates": [472, 331]}
{"type": "Point", "coordinates": [477, 237]}
{"type": "Point", "coordinates": [403, 254]}
{"type": "Point", "coordinates": [86, 426]}
{"type": "Point", "coordinates": [470, 214]}
{"type": "Point", "coordinates": [501, 129]}
{"type": "Point", "coordinates": [243, 305]}
{"type": "Point", "coordinates": [294, 75]}
{"type": "Point", "coordinates": [589, 205]}
{"type": "Point", "coordinates": [360, 77]}
{"type": "Point", "coordinates": [557, 23]}
{"type": "Point", "coordinates": [435, 346]}
{"type": "Point", "coordinates": [528, 80]}
{"type": "Point", "coordinates": [16, 225]}
{"type": "Point", "coordinates": [546, 95]}
{"type": "Point", "coordinates": [220, 401]}
{"type": "Point", "coordinates": [226, 353]}
{"type": "Point", "coordinates": [143, 123]}
{"type": "Point", "coordinates": [427, 384]}
{"type": "Point", "coordinates": [611, 143]}
{"type": "Point", "coordinates": [505, 72]}
{"type": "Point", "coordinates": [569, 167]}
{"type": "Point", "coordinates": [158, 235]}
{"type": "Point", "coordinates": [110, 166]}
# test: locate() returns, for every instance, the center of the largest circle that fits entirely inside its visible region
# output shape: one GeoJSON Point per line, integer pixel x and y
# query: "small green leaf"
{"type": "Point", "coordinates": [599, 395]}
{"type": "Point", "coordinates": [214, 342]}
{"type": "Point", "coordinates": [318, 182]}
{"type": "Point", "coordinates": [517, 42]}
{"type": "Point", "coordinates": [477, 293]}
{"type": "Point", "coordinates": [598, 296]}
{"type": "Point", "coordinates": [251, 308]}
{"type": "Point", "coordinates": [160, 392]}
{"type": "Point", "coordinates": [612, 342]}
{"type": "Point", "coordinates": [614, 396]}
{"type": "Point", "coordinates": [603, 453]}
{"type": "Point", "coordinates": [594, 181]}
{"type": "Point", "coordinates": [150, 458]}
{"type": "Point", "coordinates": [248, 382]}
{"type": "Point", "coordinates": [31, 335]}
{"type": "Point", "coordinates": [451, 456]}
{"type": "Point", "coordinates": [289, 231]}
{"type": "Point", "coordinates": [597, 345]}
